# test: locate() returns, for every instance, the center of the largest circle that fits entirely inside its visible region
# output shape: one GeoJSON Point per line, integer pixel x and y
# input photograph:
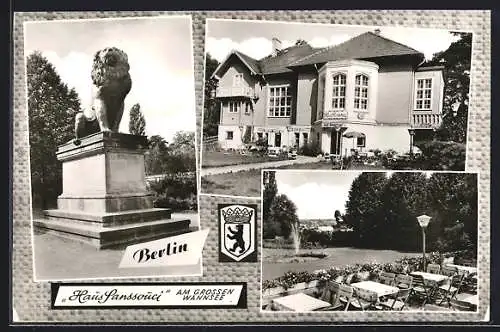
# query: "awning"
{"type": "Point", "coordinates": [353, 134]}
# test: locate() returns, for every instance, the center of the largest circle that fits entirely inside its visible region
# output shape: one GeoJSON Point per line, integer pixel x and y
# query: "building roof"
{"type": "Point", "coordinates": [364, 46]}
{"type": "Point", "coordinates": [280, 62]}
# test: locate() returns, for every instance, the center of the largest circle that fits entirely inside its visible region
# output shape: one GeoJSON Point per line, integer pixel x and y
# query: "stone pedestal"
{"type": "Point", "coordinates": [105, 201]}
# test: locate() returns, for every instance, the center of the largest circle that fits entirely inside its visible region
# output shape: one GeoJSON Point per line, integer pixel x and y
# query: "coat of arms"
{"type": "Point", "coordinates": [237, 233]}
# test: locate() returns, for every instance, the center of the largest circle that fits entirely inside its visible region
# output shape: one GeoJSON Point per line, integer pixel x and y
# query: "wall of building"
{"type": "Point", "coordinates": [307, 93]}
{"type": "Point", "coordinates": [376, 137]}
{"type": "Point", "coordinates": [395, 93]}
{"type": "Point", "coordinates": [236, 142]}
{"type": "Point", "coordinates": [235, 66]}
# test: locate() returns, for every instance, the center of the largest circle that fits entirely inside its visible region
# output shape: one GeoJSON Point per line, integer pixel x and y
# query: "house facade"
{"type": "Point", "coordinates": [364, 94]}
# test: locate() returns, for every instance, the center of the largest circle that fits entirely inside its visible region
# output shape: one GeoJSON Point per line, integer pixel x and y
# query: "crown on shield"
{"type": "Point", "coordinates": [237, 215]}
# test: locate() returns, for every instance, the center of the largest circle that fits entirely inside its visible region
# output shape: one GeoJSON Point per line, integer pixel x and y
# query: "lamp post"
{"type": "Point", "coordinates": [411, 131]}
{"type": "Point", "coordinates": [423, 221]}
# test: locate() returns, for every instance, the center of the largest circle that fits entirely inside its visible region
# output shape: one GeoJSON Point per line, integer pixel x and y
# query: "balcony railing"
{"type": "Point", "coordinates": [425, 120]}
{"type": "Point", "coordinates": [236, 91]}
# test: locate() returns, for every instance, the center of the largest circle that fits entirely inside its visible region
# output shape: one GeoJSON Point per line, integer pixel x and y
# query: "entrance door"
{"type": "Point", "coordinates": [297, 140]}
{"type": "Point", "coordinates": [277, 140]}
{"type": "Point", "coordinates": [335, 147]}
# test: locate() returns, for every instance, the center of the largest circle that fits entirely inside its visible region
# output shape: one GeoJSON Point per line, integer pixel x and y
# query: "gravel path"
{"type": "Point", "coordinates": [246, 167]}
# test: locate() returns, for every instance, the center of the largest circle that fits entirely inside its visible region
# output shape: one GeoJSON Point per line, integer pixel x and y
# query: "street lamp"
{"type": "Point", "coordinates": [423, 221]}
{"type": "Point", "coordinates": [411, 131]}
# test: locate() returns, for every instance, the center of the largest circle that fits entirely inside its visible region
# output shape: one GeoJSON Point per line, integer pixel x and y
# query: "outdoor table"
{"type": "Point", "coordinates": [376, 287]}
{"type": "Point", "coordinates": [431, 278]}
{"type": "Point", "coordinates": [472, 299]}
{"type": "Point", "coordinates": [299, 302]}
{"type": "Point", "coordinates": [468, 269]}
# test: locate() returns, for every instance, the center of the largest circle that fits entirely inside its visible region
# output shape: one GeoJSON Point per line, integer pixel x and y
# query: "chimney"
{"type": "Point", "coordinates": [377, 32]}
{"type": "Point", "coordinates": [276, 46]}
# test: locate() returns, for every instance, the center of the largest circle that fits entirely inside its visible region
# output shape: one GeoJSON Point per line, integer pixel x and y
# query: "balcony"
{"type": "Point", "coordinates": [425, 120]}
{"type": "Point", "coordinates": [235, 91]}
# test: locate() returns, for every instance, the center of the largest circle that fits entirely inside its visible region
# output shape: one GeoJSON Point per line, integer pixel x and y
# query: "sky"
{"type": "Point", "coordinates": [159, 53]}
{"type": "Point", "coordinates": [317, 194]}
{"type": "Point", "coordinates": [254, 38]}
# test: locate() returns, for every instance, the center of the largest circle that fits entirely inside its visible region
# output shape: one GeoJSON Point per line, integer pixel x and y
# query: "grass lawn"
{"type": "Point", "coordinates": [244, 183]}
{"type": "Point", "coordinates": [219, 158]}
{"type": "Point", "coordinates": [273, 268]}
{"type": "Point", "coordinates": [247, 183]}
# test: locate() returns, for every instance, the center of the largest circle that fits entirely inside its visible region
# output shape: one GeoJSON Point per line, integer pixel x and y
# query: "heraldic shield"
{"type": "Point", "coordinates": [237, 233]}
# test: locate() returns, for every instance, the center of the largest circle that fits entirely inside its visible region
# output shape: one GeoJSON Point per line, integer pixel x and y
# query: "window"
{"type": "Point", "coordinates": [306, 137]}
{"type": "Point", "coordinates": [361, 92]}
{"type": "Point", "coordinates": [234, 106]}
{"type": "Point", "coordinates": [229, 135]}
{"type": "Point", "coordinates": [259, 136]}
{"type": "Point", "coordinates": [424, 94]}
{"type": "Point", "coordinates": [338, 92]}
{"type": "Point", "coordinates": [277, 139]}
{"type": "Point", "coordinates": [237, 79]}
{"type": "Point", "coordinates": [361, 141]}
{"type": "Point", "coordinates": [248, 107]}
{"type": "Point", "coordinates": [280, 101]}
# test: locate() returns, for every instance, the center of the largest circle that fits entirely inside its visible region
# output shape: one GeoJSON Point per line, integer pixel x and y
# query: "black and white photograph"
{"type": "Point", "coordinates": [369, 241]}
{"type": "Point", "coordinates": [316, 96]}
{"type": "Point", "coordinates": [111, 107]}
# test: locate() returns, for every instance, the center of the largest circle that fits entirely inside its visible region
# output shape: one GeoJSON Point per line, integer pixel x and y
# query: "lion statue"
{"type": "Point", "coordinates": [111, 83]}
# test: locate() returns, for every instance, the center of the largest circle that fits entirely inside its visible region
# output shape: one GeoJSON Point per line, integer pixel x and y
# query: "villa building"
{"type": "Point", "coordinates": [366, 93]}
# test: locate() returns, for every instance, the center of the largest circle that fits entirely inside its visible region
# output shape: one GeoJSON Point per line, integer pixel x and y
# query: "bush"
{"type": "Point", "coordinates": [313, 238]}
{"type": "Point", "coordinates": [311, 149]}
{"type": "Point", "coordinates": [176, 191]}
{"type": "Point", "coordinates": [438, 155]}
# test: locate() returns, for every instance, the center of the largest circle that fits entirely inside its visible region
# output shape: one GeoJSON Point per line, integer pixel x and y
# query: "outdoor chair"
{"type": "Point", "coordinates": [450, 289]}
{"type": "Point", "coordinates": [404, 281]}
{"type": "Point", "coordinates": [386, 278]}
{"type": "Point", "coordinates": [433, 268]}
{"type": "Point", "coordinates": [345, 295]}
{"type": "Point", "coordinates": [398, 301]}
{"type": "Point", "coordinates": [462, 305]}
{"type": "Point", "coordinates": [331, 295]}
{"type": "Point", "coordinates": [364, 299]}
{"type": "Point", "coordinates": [420, 290]}
{"type": "Point", "coordinates": [449, 271]}
{"type": "Point", "coordinates": [469, 284]}
{"type": "Point", "coordinates": [448, 260]}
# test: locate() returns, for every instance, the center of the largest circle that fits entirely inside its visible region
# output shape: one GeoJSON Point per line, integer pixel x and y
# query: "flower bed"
{"type": "Point", "coordinates": [359, 272]}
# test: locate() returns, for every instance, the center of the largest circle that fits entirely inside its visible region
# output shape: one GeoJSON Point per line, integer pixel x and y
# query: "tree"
{"type": "Point", "coordinates": [364, 207]}
{"type": "Point", "coordinates": [454, 199]}
{"type": "Point", "coordinates": [181, 153]}
{"type": "Point", "coordinates": [137, 123]}
{"type": "Point", "coordinates": [270, 229]}
{"type": "Point", "coordinates": [52, 107]}
{"type": "Point", "coordinates": [283, 212]}
{"type": "Point", "coordinates": [338, 217]}
{"type": "Point", "coordinates": [404, 199]}
{"type": "Point", "coordinates": [155, 158]}
{"type": "Point", "coordinates": [456, 61]}
{"type": "Point", "coordinates": [211, 108]}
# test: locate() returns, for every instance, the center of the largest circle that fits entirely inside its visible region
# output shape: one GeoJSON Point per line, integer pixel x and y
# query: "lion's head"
{"type": "Point", "coordinates": [110, 64]}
